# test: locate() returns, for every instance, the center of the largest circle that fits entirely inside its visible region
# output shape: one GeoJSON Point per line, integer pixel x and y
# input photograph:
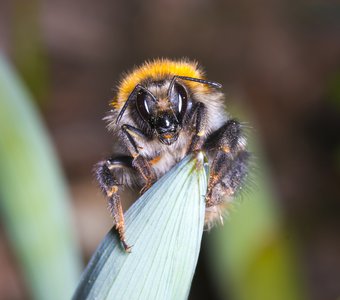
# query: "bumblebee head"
{"type": "Point", "coordinates": [160, 96]}
{"type": "Point", "coordinates": [163, 106]}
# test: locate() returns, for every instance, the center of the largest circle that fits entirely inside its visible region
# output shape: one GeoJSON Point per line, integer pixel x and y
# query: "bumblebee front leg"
{"type": "Point", "coordinates": [111, 175]}
{"type": "Point", "coordinates": [230, 164]}
{"type": "Point", "coordinates": [200, 114]}
{"type": "Point", "coordinates": [140, 163]}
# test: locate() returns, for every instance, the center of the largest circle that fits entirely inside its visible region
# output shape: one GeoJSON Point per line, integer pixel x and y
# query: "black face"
{"type": "Point", "coordinates": [166, 124]}
{"type": "Point", "coordinates": [146, 104]}
{"type": "Point", "coordinates": [179, 100]}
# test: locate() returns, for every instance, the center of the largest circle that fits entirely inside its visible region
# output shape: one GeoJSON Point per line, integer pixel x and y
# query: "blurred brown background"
{"type": "Point", "coordinates": [278, 60]}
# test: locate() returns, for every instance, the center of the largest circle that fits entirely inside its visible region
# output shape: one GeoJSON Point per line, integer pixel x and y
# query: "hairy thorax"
{"type": "Point", "coordinates": [163, 157]}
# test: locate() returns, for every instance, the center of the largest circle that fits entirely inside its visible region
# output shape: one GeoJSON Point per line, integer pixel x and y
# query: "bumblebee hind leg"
{"type": "Point", "coordinates": [112, 175]}
{"type": "Point", "coordinates": [228, 169]}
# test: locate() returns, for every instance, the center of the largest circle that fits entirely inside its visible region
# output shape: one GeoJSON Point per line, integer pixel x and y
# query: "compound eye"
{"type": "Point", "coordinates": [179, 100]}
{"type": "Point", "coordinates": [144, 104]}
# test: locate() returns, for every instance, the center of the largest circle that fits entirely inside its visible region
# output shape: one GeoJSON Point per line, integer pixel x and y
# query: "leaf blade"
{"type": "Point", "coordinates": [34, 200]}
{"type": "Point", "coordinates": [165, 227]}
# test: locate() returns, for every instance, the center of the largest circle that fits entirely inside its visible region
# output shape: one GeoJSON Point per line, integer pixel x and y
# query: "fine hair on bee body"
{"type": "Point", "coordinates": [164, 110]}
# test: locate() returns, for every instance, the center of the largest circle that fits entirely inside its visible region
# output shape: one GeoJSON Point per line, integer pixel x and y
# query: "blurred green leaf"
{"type": "Point", "coordinates": [35, 205]}
{"type": "Point", "coordinates": [165, 227]}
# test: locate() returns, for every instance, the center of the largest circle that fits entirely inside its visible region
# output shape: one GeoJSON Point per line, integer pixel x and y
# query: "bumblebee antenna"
{"type": "Point", "coordinates": [203, 81]}
{"type": "Point", "coordinates": [131, 96]}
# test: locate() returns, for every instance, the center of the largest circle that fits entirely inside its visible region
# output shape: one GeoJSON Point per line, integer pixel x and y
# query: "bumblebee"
{"type": "Point", "coordinates": [164, 110]}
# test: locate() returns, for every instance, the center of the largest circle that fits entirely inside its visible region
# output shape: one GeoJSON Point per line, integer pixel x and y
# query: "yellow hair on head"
{"type": "Point", "coordinates": [157, 69]}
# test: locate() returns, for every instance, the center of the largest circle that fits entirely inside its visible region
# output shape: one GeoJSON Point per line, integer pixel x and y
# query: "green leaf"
{"type": "Point", "coordinates": [165, 227]}
{"type": "Point", "coordinates": [35, 205]}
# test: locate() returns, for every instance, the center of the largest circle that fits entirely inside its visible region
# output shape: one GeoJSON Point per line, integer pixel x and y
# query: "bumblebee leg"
{"type": "Point", "coordinates": [110, 175]}
{"type": "Point", "coordinates": [200, 125]}
{"type": "Point", "coordinates": [230, 164]}
{"type": "Point", "coordinates": [140, 163]}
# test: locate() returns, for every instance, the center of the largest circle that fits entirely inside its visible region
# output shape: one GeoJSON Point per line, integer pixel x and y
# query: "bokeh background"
{"type": "Point", "coordinates": [279, 63]}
